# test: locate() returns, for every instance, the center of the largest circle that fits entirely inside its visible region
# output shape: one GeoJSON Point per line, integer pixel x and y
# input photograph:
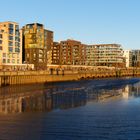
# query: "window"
{"type": "Point", "coordinates": [10, 44]}
{"type": "Point", "coordinates": [9, 55]}
{"type": "Point", "coordinates": [0, 47]}
{"type": "Point", "coordinates": [4, 60]}
{"type": "Point", "coordinates": [16, 38]}
{"type": "Point", "coordinates": [10, 37]}
{"type": "Point", "coordinates": [38, 30]}
{"type": "Point", "coordinates": [13, 60]}
{"type": "Point", "coordinates": [0, 41]}
{"type": "Point", "coordinates": [17, 27]}
{"type": "Point", "coordinates": [11, 31]}
{"type": "Point", "coordinates": [0, 35]}
{"type": "Point", "coordinates": [17, 33]}
{"type": "Point", "coordinates": [11, 26]}
{"type": "Point", "coordinates": [17, 50]}
{"type": "Point", "coordinates": [16, 44]}
{"type": "Point", "coordinates": [1, 31]}
{"type": "Point", "coordinates": [8, 61]}
{"type": "Point", "coordinates": [4, 54]}
{"type": "Point", "coordinates": [10, 49]}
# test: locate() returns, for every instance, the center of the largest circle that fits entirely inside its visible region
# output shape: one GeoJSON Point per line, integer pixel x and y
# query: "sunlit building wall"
{"type": "Point", "coordinates": [91, 55]}
{"type": "Point", "coordinates": [69, 52]}
{"type": "Point", "coordinates": [136, 58]}
{"type": "Point", "coordinates": [37, 42]}
{"type": "Point", "coordinates": [105, 55]}
{"type": "Point", "coordinates": [56, 53]}
{"type": "Point", "coordinates": [10, 43]}
{"type": "Point", "coordinates": [128, 57]}
{"type": "Point", "coordinates": [72, 52]}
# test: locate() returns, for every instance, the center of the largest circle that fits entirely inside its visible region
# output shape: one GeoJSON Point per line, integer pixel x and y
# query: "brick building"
{"type": "Point", "coordinates": [69, 52]}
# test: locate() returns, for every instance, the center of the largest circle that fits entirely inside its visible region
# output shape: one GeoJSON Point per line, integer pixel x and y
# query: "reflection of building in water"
{"type": "Point", "coordinates": [103, 94]}
{"type": "Point", "coordinates": [41, 100]}
{"type": "Point", "coordinates": [37, 102]}
{"type": "Point", "coordinates": [10, 105]}
{"type": "Point", "coordinates": [69, 99]}
{"type": "Point", "coordinates": [135, 90]}
{"type": "Point", "coordinates": [126, 91]}
{"type": "Point", "coordinates": [29, 101]}
{"type": "Point", "coordinates": [131, 91]}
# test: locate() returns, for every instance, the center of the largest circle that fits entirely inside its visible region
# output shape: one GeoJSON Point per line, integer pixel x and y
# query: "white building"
{"type": "Point", "coordinates": [10, 43]}
{"type": "Point", "coordinates": [105, 55]}
{"type": "Point", "coordinates": [128, 57]}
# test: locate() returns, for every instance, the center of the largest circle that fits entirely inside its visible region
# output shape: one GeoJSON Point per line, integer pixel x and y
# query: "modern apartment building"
{"type": "Point", "coordinates": [69, 52]}
{"type": "Point", "coordinates": [127, 54]}
{"type": "Point", "coordinates": [56, 53]}
{"type": "Point", "coordinates": [91, 55]}
{"type": "Point", "coordinates": [37, 42]}
{"type": "Point", "coordinates": [136, 58]}
{"type": "Point", "coordinates": [105, 55]}
{"type": "Point", "coordinates": [10, 43]}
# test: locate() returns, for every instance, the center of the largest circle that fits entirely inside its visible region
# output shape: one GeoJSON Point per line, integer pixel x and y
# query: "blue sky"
{"type": "Point", "coordinates": [90, 21]}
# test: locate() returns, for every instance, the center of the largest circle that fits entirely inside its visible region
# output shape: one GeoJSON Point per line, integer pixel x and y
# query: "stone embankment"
{"type": "Point", "coordinates": [30, 77]}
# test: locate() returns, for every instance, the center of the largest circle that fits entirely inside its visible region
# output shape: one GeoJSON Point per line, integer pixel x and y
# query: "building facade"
{"type": "Point", "coordinates": [69, 52]}
{"type": "Point", "coordinates": [128, 58]}
{"type": "Point", "coordinates": [37, 42]}
{"type": "Point", "coordinates": [33, 44]}
{"type": "Point", "coordinates": [72, 52]}
{"type": "Point", "coordinates": [136, 58]}
{"type": "Point", "coordinates": [56, 57]}
{"type": "Point", "coordinates": [91, 55]}
{"type": "Point", "coordinates": [105, 55]}
{"type": "Point", "coordinates": [10, 43]}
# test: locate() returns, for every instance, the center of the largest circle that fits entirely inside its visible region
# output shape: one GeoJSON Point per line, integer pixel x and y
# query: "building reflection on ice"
{"type": "Point", "coordinates": [46, 99]}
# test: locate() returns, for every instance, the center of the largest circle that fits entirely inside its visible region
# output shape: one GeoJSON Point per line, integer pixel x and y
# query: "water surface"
{"type": "Point", "coordinates": [79, 110]}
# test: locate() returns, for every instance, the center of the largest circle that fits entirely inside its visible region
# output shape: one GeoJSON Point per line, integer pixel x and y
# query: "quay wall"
{"type": "Point", "coordinates": [30, 77]}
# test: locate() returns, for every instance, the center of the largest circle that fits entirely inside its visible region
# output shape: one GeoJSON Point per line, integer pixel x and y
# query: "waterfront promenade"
{"type": "Point", "coordinates": [57, 75]}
